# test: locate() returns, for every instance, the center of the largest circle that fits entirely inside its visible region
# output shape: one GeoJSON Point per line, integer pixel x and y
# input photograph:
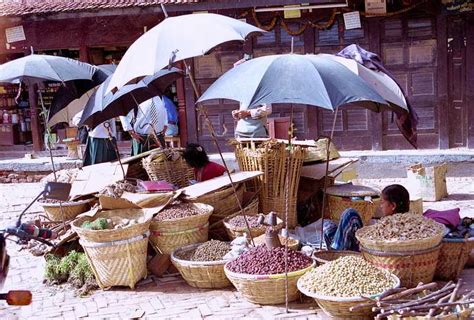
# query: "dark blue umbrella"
{"type": "Point", "coordinates": [103, 106]}
{"type": "Point", "coordinates": [294, 78]}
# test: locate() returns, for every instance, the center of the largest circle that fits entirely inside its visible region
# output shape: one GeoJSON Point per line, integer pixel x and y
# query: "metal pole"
{"type": "Point", "coordinates": [164, 10]}
{"type": "Point", "coordinates": [48, 135]}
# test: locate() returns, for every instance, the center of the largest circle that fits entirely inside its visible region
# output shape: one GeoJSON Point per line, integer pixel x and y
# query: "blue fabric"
{"type": "Point", "coordinates": [170, 109]}
{"type": "Point", "coordinates": [342, 236]}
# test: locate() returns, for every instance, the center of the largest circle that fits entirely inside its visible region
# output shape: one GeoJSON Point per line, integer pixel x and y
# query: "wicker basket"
{"type": "Point", "coordinates": [116, 256]}
{"type": "Point", "coordinates": [167, 242]}
{"type": "Point", "coordinates": [337, 205]}
{"type": "Point", "coordinates": [200, 274]}
{"type": "Point", "coordinates": [293, 244]}
{"type": "Point", "coordinates": [325, 256]}
{"type": "Point", "coordinates": [410, 267]}
{"type": "Point", "coordinates": [66, 210]}
{"type": "Point", "coordinates": [177, 172]}
{"type": "Point", "coordinates": [223, 201]}
{"type": "Point", "coordinates": [338, 307]}
{"type": "Point", "coordinates": [185, 223]}
{"type": "Point", "coordinates": [266, 289]}
{"type": "Point", "coordinates": [453, 257]}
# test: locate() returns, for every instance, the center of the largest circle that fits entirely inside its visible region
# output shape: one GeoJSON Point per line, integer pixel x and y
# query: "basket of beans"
{"type": "Point", "coordinates": [236, 226]}
{"type": "Point", "coordinates": [202, 264]}
{"type": "Point", "coordinates": [341, 284]}
{"type": "Point", "coordinates": [64, 210]}
{"type": "Point", "coordinates": [180, 224]}
{"type": "Point", "coordinates": [259, 274]}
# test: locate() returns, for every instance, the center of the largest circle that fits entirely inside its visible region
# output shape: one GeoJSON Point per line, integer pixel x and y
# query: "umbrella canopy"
{"type": "Point", "coordinates": [385, 86]}
{"type": "Point", "coordinates": [103, 106]}
{"type": "Point", "coordinates": [293, 78]}
{"type": "Point", "coordinates": [38, 68]}
{"type": "Point", "coordinates": [75, 106]}
{"type": "Point", "coordinates": [175, 39]}
{"type": "Point", "coordinates": [75, 89]}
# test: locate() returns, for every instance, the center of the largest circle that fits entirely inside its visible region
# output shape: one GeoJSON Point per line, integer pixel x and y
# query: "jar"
{"type": "Point", "coordinates": [15, 118]}
{"type": "Point", "coordinates": [6, 116]}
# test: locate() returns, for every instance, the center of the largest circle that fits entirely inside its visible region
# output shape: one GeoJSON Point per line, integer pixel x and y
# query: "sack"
{"type": "Point", "coordinates": [428, 183]}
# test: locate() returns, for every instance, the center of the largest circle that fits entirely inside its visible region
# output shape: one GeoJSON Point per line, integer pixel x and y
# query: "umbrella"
{"type": "Point", "coordinates": [175, 39]}
{"type": "Point", "coordinates": [75, 89]}
{"type": "Point", "coordinates": [37, 68]}
{"type": "Point", "coordinates": [103, 106]}
{"type": "Point", "coordinates": [385, 86]}
{"type": "Point", "coordinates": [66, 114]}
{"type": "Point", "coordinates": [293, 78]}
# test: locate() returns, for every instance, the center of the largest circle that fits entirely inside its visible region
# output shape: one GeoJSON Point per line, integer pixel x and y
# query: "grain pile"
{"type": "Point", "coordinates": [239, 221]}
{"type": "Point", "coordinates": [117, 189]}
{"type": "Point", "coordinates": [348, 276]}
{"type": "Point", "coordinates": [261, 260]}
{"type": "Point", "coordinates": [213, 250]}
{"type": "Point", "coordinates": [178, 211]}
{"type": "Point", "coordinates": [402, 226]}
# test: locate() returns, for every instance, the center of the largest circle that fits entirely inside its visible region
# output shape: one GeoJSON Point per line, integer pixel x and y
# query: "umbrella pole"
{"type": "Point", "coordinates": [323, 209]}
{"type": "Point", "coordinates": [214, 138]}
{"type": "Point", "coordinates": [48, 142]}
{"type": "Point", "coordinates": [109, 132]}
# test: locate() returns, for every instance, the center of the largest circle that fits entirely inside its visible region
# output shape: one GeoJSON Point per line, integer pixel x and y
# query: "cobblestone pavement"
{"type": "Point", "coordinates": [155, 298]}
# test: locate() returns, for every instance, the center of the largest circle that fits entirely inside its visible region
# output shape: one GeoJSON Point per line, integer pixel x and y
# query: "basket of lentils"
{"type": "Point", "coordinates": [202, 264]}
{"type": "Point", "coordinates": [259, 274]}
{"type": "Point", "coordinates": [340, 284]}
{"type": "Point", "coordinates": [236, 226]}
{"type": "Point", "coordinates": [180, 224]}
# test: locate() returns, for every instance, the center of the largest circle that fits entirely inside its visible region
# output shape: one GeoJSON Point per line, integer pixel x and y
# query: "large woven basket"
{"type": "Point", "coordinates": [117, 256]}
{"type": "Point", "coordinates": [338, 307]}
{"type": "Point", "coordinates": [200, 274]}
{"type": "Point", "coordinates": [223, 201]}
{"type": "Point", "coordinates": [66, 210]}
{"type": "Point", "coordinates": [410, 267]}
{"type": "Point", "coordinates": [325, 256]}
{"type": "Point", "coordinates": [453, 257]}
{"type": "Point", "coordinates": [185, 223]}
{"type": "Point", "coordinates": [337, 205]}
{"type": "Point", "coordinates": [167, 242]}
{"type": "Point", "coordinates": [266, 289]}
{"type": "Point", "coordinates": [293, 244]}
{"type": "Point", "coordinates": [177, 172]}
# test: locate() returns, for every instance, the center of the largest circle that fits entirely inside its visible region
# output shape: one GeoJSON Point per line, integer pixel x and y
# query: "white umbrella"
{"type": "Point", "coordinates": [385, 86]}
{"type": "Point", "coordinates": [175, 39]}
{"type": "Point", "coordinates": [66, 114]}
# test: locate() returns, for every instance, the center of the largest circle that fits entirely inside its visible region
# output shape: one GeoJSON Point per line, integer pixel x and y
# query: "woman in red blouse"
{"type": "Point", "coordinates": [196, 157]}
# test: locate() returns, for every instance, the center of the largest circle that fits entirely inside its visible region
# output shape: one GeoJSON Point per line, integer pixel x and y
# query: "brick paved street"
{"type": "Point", "coordinates": [155, 298]}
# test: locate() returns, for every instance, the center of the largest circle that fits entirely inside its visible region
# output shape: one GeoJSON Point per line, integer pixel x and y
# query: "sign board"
{"type": "Point", "coordinates": [352, 20]}
{"type": "Point", "coordinates": [376, 6]}
{"type": "Point", "coordinates": [15, 34]}
{"type": "Point", "coordinates": [291, 14]}
{"type": "Point", "coordinates": [457, 6]}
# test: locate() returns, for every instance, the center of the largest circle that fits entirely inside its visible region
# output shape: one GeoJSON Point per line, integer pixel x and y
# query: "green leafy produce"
{"type": "Point", "coordinates": [97, 224]}
{"type": "Point", "coordinates": [81, 273]}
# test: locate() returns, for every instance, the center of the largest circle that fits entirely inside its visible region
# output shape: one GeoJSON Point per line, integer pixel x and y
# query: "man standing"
{"type": "Point", "coordinates": [252, 121]}
{"type": "Point", "coordinates": [101, 145]}
{"type": "Point", "coordinates": [151, 118]}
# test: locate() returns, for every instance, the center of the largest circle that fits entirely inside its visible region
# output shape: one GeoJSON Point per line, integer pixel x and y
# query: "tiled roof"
{"type": "Point", "coordinates": [29, 7]}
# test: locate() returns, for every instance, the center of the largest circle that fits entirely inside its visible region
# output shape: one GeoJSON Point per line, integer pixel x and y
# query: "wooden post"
{"type": "Point", "coordinates": [375, 118]}
{"type": "Point", "coordinates": [191, 114]}
{"type": "Point", "coordinates": [36, 132]}
{"type": "Point", "coordinates": [470, 79]}
{"type": "Point", "coordinates": [312, 113]}
{"type": "Point", "coordinates": [443, 107]}
{"type": "Point", "coordinates": [181, 93]}
{"type": "Point", "coordinates": [84, 54]}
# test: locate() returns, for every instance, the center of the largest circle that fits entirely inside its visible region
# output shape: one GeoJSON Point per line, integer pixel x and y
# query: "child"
{"type": "Point", "coordinates": [196, 157]}
{"type": "Point", "coordinates": [394, 199]}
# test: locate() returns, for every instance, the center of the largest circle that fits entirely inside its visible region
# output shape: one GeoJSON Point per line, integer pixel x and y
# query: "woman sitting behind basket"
{"type": "Point", "coordinates": [394, 199]}
{"type": "Point", "coordinates": [196, 157]}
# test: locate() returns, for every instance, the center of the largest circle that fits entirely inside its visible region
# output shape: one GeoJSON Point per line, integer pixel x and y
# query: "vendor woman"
{"type": "Point", "coordinates": [394, 199]}
{"type": "Point", "coordinates": [252, 122]}
{"type": "Point", "coordinates": [196, 157]}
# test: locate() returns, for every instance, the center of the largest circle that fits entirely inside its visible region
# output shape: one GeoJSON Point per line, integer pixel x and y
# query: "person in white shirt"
{"type": "Point", "coordinates": [101, 145]}
{"type": "Point", "coordinates": [252, 121]}
{"type": "Point", "coordinates": [151, 118]}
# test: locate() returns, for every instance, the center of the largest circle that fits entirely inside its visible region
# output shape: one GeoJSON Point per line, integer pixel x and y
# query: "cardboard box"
{"type": "Point", "coordinates": [429, 183]}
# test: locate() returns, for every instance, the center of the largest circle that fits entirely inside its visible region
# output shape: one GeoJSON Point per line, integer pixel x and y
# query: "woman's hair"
{"type": "Point", "coordinates": [397, 194]}
{"type": "Point", "coordinates": [195, 155]}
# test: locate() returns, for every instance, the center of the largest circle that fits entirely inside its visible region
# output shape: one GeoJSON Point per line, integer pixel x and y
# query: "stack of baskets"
{"type": "Point", "coordinates": [168, 235]}
{"type": "Point", "coordinates": [412, 261]}
{"type": "Point", "coordinates": [116, 256]}
{"type": "Point", "coordinates": [169, 165]}
{"type": "Point", "coordinates": [200, 274]}
{"type": "Point", "coordinates": [453, 256]}
{"type": "Point", "coordinates": [340, 198]}
{"type": "Point", "coordinates": [64, 211]}
{"type": "Point", "coordinates": [278, 186]}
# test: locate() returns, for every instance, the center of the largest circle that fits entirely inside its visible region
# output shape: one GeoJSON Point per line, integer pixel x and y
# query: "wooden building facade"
{"type": "Point", "coordinates": [430, 53]}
